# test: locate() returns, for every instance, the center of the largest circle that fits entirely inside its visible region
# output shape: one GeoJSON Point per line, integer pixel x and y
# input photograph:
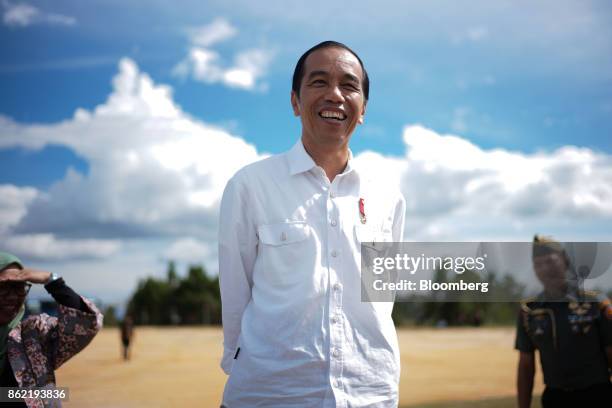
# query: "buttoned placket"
{"type": "Point", "coordinates": [335, 291]}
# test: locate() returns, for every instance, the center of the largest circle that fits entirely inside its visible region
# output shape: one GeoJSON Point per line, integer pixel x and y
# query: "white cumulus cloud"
{"type": "Point", "coordinates": [49, 247]}
{"type": "Point", "coordinates": [248, 66]}
{"type": "Point", "coordinates": [23, 15]}
{"type": "Point", "coordinates": [218, 30]}
{"type": "Point", "coordinates": [206, 65]}
{"type": "Point", "coordinates": [457, 190]}
{"type": "Point", "coordinates": [153, 170]}
{"type": "Point", "coordinates": [188, 250]}
{"type": "Point", "coordinates": [14, 202]}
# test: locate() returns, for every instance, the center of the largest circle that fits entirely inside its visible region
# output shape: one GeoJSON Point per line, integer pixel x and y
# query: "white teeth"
{"type": "Point", "coordinates": [332, 114]}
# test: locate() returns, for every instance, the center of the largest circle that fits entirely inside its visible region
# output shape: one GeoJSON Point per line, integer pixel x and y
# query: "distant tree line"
{"type": "Point", "coordinates": [194, 299]}
{"type": "Point", "coordinates": [498, 306]}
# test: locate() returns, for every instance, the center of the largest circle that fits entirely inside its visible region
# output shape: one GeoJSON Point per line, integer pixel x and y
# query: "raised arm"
{"type": "Point", "coordinates": [77, 323]}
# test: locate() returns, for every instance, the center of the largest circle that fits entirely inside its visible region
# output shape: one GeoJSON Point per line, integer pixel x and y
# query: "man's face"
{"type": "Point", "coordinates": [331, 101]}
{"type": "Point", "coordinates": [551, 270]}
{"type": "Point", "coordinates": [12, 296]}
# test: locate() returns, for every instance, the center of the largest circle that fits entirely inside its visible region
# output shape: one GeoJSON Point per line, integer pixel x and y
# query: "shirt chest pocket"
{"type": "Point", "coordinates": [286, 253]}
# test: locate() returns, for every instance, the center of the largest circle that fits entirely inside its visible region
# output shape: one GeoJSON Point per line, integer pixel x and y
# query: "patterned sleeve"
{"type": "Point", "coordinates": [75, 330]}
{"type": "Point", "coordinates": [523, 341]}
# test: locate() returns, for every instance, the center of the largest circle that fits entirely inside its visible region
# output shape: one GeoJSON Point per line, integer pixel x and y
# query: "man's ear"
{"type": "Point", "coordinates": [362, 115]}
{"type": "Point", "coordinates": [295, 103]}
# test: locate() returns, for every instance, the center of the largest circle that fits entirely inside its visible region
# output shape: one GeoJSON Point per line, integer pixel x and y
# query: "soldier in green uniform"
{"type": "Point", "coordinates": [572, 330]}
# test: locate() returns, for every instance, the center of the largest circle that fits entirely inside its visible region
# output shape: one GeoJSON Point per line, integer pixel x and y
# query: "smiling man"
{"type": "Point", "coordinates": [296, 333]}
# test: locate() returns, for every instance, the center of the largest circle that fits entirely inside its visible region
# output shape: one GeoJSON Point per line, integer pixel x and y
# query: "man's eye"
{"type": "Point", "coordinates": [318, 82]}
{"type": "Point", "coordinates": [351, 87]}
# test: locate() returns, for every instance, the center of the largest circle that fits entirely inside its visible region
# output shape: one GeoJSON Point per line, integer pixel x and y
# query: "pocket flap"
{"type": "Point", "coordinates": [283, 233]}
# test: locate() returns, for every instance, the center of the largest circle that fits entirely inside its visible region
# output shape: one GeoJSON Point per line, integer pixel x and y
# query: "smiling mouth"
{"type": "Point", "coordinates": [332, 115]}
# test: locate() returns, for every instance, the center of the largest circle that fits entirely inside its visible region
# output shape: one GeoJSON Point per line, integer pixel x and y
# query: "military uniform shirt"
{"type": "Point", "coordinates": [571, 337]}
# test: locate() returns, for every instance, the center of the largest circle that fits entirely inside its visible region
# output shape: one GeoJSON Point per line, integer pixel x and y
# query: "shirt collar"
{"type": "Point", "coordinates": [300, 161]}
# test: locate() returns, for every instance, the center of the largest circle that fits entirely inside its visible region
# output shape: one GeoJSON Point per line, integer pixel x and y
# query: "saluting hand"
{"type": "Point", "coordinates": [24, 275]}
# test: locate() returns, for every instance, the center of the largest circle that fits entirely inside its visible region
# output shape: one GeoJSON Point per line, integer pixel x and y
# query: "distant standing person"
{"type": "Point", "coordinates": [31, 350]}
{"type": "Point", "coordinates": [127, 334]}
{"type": "Point", "coordinates": [572, 330]}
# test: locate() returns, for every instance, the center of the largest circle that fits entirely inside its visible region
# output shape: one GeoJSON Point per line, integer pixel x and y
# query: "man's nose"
{"type": "Point", "coordinates": [334, 94]}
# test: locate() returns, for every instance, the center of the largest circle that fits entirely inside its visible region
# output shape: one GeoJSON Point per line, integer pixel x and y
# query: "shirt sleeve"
{"type": "Point", "coordinates": [64, 295]}
{"type": "Point", "coordinates": [237, 253]}
{"type": "Point", "coordinates": [523, 341]}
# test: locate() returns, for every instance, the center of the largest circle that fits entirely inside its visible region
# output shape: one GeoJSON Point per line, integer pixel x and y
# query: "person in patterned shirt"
{"type": "Point", "coordinates": [32, 349]}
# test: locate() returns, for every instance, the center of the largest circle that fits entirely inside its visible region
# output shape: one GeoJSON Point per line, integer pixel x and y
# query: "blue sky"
{"type": "Point", "coordinates": [505, 102]}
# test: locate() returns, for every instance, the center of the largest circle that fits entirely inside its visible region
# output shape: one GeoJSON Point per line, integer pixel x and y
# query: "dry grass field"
{"type": "Point", "coordinates": [179, 368]}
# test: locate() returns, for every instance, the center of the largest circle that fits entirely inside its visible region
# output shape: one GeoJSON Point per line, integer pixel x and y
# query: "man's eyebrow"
{"type": "Point", "coordinates": [317, 73]}
{"type": "Point", "coordinates": [351, 77]}
{"type": "Point", "coordinates": [346, 76]}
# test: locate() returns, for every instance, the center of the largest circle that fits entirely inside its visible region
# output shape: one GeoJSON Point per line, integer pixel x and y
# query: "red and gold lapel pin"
{"type": "Point", "coordinates": [362, 215]}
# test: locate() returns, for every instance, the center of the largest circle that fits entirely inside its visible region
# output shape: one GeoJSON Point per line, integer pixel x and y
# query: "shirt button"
{"type": "Point", "coordinates": [283, 236]}
{"type": "Point", "coordinates": [336, 353]}
{"type": "Point", "coordinates": [334, 319]}
{"type": "Point", "coordinates": [337, 286]}
{"type": "Point", "coordinates": [333, 223]}
{"type": "Point", "coordinates": [332, 194]}
{"type": "Point", "coordinates": [334, 253]}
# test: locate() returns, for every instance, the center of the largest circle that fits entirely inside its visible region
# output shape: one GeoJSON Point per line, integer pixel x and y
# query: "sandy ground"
{"type": "Point", "coordinates": [179, 368]}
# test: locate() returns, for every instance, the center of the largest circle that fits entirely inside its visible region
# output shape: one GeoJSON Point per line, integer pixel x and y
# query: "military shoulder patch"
{"type": "Point", "coordinates": [526, 304]}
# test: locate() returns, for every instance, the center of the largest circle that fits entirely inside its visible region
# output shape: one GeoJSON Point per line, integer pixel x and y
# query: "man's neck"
{"type": "Point", "coordinates": [556, 293]}
{"type": "Point", "coordinates": [332, 159]}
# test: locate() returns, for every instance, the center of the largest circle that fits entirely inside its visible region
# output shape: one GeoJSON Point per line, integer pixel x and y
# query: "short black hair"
{"type": "Point", "coordinates": [298, 73]}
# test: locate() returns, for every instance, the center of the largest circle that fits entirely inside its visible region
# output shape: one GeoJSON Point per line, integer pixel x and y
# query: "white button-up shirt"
{"type": "Point", "coordinates": [296, 333]}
